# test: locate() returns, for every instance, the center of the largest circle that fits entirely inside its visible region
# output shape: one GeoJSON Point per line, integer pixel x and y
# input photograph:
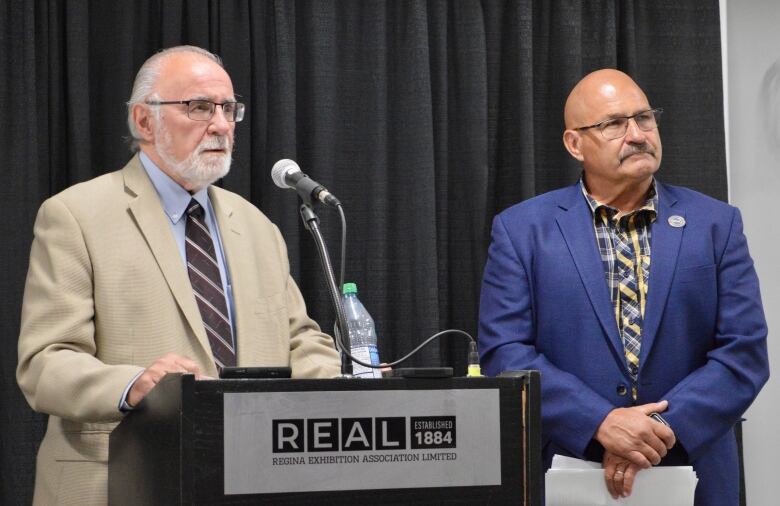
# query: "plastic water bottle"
{"type": "Point", "coordinates": [362, 334]}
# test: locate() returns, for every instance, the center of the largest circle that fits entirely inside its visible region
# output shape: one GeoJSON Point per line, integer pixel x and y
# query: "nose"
{"type": "Point", "coordinates": [634, 134]}
{"type": "Point", "coordinates": [218, 124]}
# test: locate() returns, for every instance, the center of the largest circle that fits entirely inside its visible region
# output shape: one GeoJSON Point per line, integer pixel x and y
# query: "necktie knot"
{"type": "Point", "coordinates": [195, 210]}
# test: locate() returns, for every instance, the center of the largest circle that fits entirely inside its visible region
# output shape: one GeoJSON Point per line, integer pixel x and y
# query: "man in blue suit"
{"type": "Point", "coordinates": [633, 298]}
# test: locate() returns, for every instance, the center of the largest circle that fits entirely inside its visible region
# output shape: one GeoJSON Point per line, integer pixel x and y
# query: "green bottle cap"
{"type": "Point", "coordinates": [349, 288]}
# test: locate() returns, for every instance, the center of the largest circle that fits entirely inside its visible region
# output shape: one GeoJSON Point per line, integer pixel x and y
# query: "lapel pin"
{"type": "Point", "coordinates": [676, 221]}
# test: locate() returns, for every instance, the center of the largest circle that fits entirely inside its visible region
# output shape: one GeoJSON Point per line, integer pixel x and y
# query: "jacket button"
{"type": "Point", "coordinates": [622, 390]}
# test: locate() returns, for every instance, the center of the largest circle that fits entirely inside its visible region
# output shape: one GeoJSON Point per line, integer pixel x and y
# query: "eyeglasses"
{"type": "Point", "coordinates": [615, 128]}
{"type": "Point", "coordinates": [203, 110]}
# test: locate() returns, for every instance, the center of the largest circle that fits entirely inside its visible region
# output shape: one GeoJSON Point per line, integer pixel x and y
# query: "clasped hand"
{"type": "Point", "coordinates": [632, 441]}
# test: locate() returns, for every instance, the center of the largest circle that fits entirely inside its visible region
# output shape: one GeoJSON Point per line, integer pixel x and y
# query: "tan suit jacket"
{"type": "Point", "coordinates": [107, 293]}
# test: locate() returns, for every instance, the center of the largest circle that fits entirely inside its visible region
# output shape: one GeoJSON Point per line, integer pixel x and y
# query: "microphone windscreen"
{"type": "Point", "coordinates": [280, 171]}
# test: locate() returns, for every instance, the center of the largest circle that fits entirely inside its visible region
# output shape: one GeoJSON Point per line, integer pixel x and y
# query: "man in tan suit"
{"type": "Point", "coordinates": [109, 308]}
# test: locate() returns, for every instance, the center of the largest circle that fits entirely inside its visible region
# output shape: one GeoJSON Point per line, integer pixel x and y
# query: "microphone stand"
{"type": "Point", "coordinates": [311, 222]}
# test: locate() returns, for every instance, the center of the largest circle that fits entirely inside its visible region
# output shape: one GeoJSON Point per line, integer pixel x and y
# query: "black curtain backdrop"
{"type": "Point", "coordinates": [424, 118]}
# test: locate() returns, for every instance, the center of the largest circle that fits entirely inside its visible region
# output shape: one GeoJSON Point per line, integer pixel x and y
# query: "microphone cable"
{"type": "Point", "coordinates": [473, 368]}
{"type": "Point", "coordinates": [343, 260]}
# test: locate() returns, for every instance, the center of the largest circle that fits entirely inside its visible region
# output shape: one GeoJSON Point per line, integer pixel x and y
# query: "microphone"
{"type": "Point", "coordinates": [286, 174]}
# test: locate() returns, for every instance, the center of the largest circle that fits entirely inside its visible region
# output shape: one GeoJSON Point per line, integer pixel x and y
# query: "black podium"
{"type": "Point", "coordinates": [346, 441]}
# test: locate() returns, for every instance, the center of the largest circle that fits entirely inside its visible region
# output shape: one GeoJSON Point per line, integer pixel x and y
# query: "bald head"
{"type": "Point", "coordinates": [613, 132]}
{"type": "Point", "coordinates": [592, 97]}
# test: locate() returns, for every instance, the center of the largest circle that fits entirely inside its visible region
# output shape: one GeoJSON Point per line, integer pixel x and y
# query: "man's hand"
{"type": "Point", "coordinates": [619, 475]}
{"type": "Point", "coordinates": [631, 434]}
{"type": "Point", "coordinates": [155, 372]}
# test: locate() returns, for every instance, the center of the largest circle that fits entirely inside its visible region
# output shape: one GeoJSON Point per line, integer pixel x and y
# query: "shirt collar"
{"type": "Point", "coordinates": [173, 197]}
{"type": "Point", "coordinates": [650, 205]}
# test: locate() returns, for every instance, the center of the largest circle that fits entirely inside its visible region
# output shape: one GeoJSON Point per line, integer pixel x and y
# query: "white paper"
{"type": "Point", "coordinates": [575, 482]}
{"type": "Point", "coordinates": [563, 462]}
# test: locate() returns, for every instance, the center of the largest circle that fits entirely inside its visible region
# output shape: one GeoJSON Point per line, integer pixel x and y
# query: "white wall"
{"type": "Point", "coordinates": [752, 44]}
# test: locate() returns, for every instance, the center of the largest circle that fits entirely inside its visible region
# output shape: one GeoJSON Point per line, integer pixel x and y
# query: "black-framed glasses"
{"type": "Point", "coordinates": [615, 128]}
{"type": "Point", "coordinates": [203, 110]}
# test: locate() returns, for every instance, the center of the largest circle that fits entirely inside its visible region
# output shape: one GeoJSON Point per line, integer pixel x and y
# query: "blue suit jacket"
{"type": "Point", "coordinates": [545, 305]}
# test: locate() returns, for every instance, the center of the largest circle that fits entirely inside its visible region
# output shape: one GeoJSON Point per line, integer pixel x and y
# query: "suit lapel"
{"type": "Point", "coordinates": [236, 258]}
{"type": "Point", "coordinates": [576, 225]}
{"type": "Point", "coordinates": [145, 207]}
{"type": "Point", "coordinates": [243, 264]}
{"type": "Point", "coordinates": [664, 251]}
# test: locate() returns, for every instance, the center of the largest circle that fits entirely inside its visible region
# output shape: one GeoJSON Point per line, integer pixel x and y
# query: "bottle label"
{"type": "Point", "coordinates": [369, 355]}
{"type": "Point", "coordinates": [374, 355]}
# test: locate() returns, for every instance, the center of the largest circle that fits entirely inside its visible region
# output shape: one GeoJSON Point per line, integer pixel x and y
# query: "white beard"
{"type": "Point", "coordinates": [197, 171]}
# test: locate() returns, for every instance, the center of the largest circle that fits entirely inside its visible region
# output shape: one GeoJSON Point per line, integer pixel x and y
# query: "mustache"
{"type": "Point", "coordinates": [215, 142]}
{"type": "Point", "coordinates": [635, 149]}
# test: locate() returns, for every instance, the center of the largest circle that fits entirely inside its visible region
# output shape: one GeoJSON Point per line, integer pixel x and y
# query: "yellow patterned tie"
{"type": "Point", "coordinates": [633, 290]}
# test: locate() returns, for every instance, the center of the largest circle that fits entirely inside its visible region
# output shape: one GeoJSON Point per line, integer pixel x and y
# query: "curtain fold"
{"type": "Point", "coordinates": [425, 118]}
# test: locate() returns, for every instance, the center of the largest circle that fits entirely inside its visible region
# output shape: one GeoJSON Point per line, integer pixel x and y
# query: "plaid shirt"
{"type": "Point", "coordinates": [635, 227]}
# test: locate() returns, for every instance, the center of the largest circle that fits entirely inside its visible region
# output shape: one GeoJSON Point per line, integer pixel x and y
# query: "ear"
{"type": "Point", "coordinates": [144, 121]}
{"type": "Point", "coordinates": [572, 139]}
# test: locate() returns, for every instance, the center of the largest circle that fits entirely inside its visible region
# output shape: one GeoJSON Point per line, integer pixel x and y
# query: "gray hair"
{"type": "Point", "coordinates": [146, 79]}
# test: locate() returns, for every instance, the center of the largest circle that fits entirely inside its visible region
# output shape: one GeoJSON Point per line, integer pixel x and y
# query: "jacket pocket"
{"type": "Point", "coordinates": [83, 446]}
{"type": "Point", "coordinates": [693, 274]}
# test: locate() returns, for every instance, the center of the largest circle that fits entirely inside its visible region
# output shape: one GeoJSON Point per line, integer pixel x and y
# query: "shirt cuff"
{"type": "Point", "coordinates": [123, 405]}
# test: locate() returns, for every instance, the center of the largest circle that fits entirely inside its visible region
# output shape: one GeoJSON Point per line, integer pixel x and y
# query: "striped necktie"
{"type": "Point", "coordinates": [633, 291]}
{"type": "Point", "coordinates": [206, 281]}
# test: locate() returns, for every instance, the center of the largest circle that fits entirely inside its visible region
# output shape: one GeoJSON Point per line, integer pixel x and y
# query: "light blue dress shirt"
{"type": "Point", "coordinates": [174, 200]}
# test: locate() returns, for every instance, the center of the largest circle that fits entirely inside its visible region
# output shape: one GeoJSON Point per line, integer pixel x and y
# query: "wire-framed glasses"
{"type": "Point", "coordinates": [615, 128]}
{"type": "Point", "coordinates": [203, 110]}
